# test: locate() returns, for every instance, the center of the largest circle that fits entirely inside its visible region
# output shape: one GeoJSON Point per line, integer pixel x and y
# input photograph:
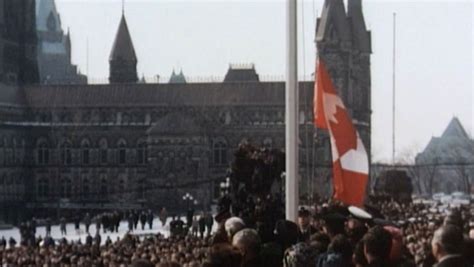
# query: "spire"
{"type": "Point", "coordinates": [360, 36]}
{"type": "Point", "coordinates": [123, 60]}
{"type": "Point", "coordinates": [333, 20]}
{"type": "Point", "coordinates": [123, 46]}
{"type": "Point", "coordinates": [455, 129]}
{"type": "Point", "coordinates": [177, 78]}
{"type": "Point", "coordinates": [123, 7]}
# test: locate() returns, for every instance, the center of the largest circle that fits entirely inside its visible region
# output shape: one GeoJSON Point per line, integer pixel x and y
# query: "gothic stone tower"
{"type": "Point", "coordinates": [54, 47]}
{"type": "Point", "coordinates": [123, 60]}
{"type": "Point", "coordinates": [344, 45]}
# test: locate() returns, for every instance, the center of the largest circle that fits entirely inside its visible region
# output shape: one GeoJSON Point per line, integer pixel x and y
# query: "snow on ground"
{"type": "Point", "coordinates": [73, 236]}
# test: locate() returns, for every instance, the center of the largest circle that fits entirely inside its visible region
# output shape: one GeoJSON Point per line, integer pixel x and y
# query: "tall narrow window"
{"type": "Point", "coordinates": [43, 188]}
{"type": "Point", "coordinates": [220, 153]}
{"type": "Point", "coordinates": [66, 153]}
{"type": "Point", "coordinates": [103, 150]}
{"type": "Point", "coordinates": [85, 189]}
{"type": "Point", "coordinates": [122, 186]}
{"type": "Point", "coordinates": [85, 148]}
{"type": "Point", "coordinates": [142, 153]}
{"type": "Point", "coordinates": [66, 188]}
{"type": "Point", "coordinates": [103, 187]}
{"type": "Point", "coordinates": [43, 154]}
{"type": "Point", "coordinates": [122, 152]}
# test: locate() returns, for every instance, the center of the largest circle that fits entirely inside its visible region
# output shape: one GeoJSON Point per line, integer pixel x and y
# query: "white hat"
{"type": "Point", "coordinates": [359, 213]}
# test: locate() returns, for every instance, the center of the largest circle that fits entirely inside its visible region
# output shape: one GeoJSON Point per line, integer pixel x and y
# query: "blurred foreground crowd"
{"type": "Point", "coordinates": [385, 234]}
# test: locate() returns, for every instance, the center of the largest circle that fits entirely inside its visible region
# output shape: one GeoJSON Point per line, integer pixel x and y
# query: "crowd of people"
{"type": "Point", "coordinates": [386, 233]}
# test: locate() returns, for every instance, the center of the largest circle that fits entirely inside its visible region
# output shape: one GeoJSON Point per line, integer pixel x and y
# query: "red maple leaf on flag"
{"type": "Point", "coordinates": [343, 131]}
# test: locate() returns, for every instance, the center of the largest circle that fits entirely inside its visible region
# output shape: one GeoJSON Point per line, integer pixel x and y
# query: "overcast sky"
{"type": "Point", "coordinates": [434, 63]}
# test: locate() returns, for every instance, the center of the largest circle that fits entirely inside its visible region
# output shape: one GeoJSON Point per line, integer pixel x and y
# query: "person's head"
{"type": "Point", "coordinates": [300, 254]}
{"type": "Point", "coordinates": [286, 233]}
{"type": "Point", "coordinates": [320, 241]}
{"type": "Point", "coordinates": [247, 242]}
{"type": "Point", "coordinates": [377, 244]}
{"type": "Point", "coordinates": [141, 263]}
{"type": "Point", "coordinates": [448, 239]}
{"type": "Point", "coordinates": [454, 218]}
{"type": "Point", "coordinates": [233, 225]}
{"type": "Point", "coordinates": [223, 255]}
{"type": "Point", "coordinates": [303, 218]}
{"type": "Point", "coordinates": [341, 245]}
{"type": "Point", "coordinates": [334, 224]}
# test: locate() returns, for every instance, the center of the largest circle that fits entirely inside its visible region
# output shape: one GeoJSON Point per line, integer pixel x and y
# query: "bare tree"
{"type": "Point", "coordinates": [461, 167]}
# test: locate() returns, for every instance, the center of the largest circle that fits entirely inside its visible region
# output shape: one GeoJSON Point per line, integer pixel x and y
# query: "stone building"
{"type": "Point", "coordinates": [54, 47]}
{"type": "Point", "coordinates": [447, 163]}
{"type": "Point", "coordinates": [130, 145]}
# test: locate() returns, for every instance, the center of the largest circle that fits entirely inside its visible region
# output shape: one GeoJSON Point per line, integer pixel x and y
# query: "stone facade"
{"type": "Point", "coordinates": [129, 145]}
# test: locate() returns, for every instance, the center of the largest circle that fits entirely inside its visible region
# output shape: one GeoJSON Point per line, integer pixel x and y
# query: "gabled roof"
{"type": "Point", "coordinates": [453, 146]}
{"type": "Point", "coordinates": [333, 16]}
{"type": "Point", "coordinates": [455, 129]}
{"type": "Point", "coordinates": [123, 46]}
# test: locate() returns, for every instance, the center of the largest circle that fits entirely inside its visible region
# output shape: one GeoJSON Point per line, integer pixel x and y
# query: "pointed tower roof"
{"type": "Point", "coordinates": [361, 37]}
{"type": "Point", "coordinates": [123, 46]}
{"type": "Point", "coordinates": [455, 129]}
{"type": "Point", "coordinates": [177, 78]}
{"type": "Point", "coordinates": [333, 15]}
{"type": "Point", "coordinates": [47, 17]}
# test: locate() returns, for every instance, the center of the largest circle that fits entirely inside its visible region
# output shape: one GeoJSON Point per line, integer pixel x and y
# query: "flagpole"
{"type": "Point", "coordinates": [291, 99]}
{"type": "Point", "coordinates": [393, 86]}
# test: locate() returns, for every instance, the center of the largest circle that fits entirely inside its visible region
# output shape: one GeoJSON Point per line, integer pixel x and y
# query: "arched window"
{"type": "Point", "coordinates": [85, 152]}
{"type": "Point", "coordinates": [43, 188]}
{"type": "Point", "coordinates": [220, 153]}
{"type": "Point", "coordinates": [66, 188]}
{"type": "Point", "coordinates": [42, 153]}
{"type": "Point", "coordinates": [142, 153]}
{"type": "Point", "coordinates": [66, 153]}
{"type": "Point", "coordinates": [103, 151]}
{"type": "Point", "coordinates": [122, 152]}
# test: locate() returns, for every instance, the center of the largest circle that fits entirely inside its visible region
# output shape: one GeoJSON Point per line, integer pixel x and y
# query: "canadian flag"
{"type": "Point", "coordinates": [350, 161]}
